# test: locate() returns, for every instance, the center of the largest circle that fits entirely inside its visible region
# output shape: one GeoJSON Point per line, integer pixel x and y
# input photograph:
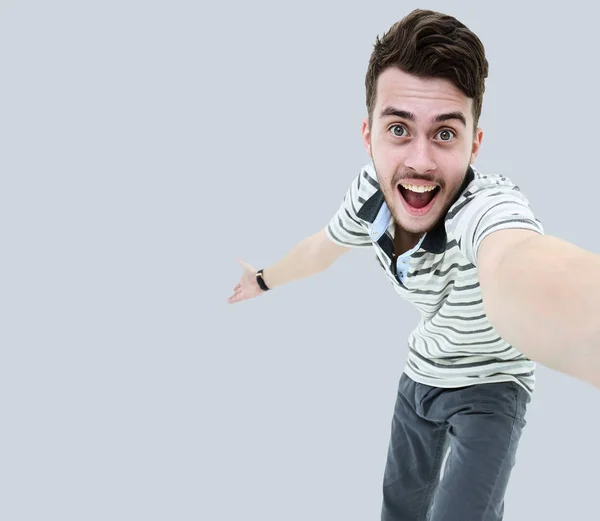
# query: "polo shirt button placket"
{"type": "Point", "coordinates": [402, 268]}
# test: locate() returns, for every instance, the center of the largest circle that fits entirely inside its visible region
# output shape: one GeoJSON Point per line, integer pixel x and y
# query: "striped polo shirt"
{"type": "Point", "coordinates": [453, 344]}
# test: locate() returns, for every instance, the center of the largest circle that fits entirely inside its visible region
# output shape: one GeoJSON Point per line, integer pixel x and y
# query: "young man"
{"type": "Point", "coordinates": [495, 293]}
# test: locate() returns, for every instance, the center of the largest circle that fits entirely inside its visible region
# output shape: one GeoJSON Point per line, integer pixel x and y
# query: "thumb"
{"type": "Point", "coordinates": [247, 266]}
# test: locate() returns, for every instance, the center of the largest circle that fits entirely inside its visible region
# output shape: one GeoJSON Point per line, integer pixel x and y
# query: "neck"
{"type": "Point", "coordinates": [404, 241]}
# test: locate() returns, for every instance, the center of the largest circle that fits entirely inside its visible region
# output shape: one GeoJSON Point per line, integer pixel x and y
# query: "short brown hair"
{"type": "Point", "coordinates": [435, 45]}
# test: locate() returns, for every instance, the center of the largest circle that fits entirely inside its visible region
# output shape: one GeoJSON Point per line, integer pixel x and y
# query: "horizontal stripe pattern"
{"type": "Point", "coordinates": [496, 204]}
{"type": "Point", "coordinates": [454, 344]}
{"type": "Point", "coordinates": [346, 228]}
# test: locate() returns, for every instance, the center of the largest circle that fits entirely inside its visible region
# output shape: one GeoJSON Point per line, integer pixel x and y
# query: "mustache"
{"type": "Point", "coordinates": [420, 177]}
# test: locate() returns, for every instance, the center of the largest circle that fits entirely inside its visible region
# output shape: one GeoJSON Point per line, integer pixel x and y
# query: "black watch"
{"type": "Point", "coordinates": [260, 280]}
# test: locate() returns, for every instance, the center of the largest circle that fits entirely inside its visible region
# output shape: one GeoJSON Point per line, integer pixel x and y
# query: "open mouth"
{"type": "Point", "coordinates": [418, 199]}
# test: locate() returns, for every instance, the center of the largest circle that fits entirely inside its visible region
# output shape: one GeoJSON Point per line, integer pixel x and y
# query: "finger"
{"type": "Point", "coordinates": [237, 293]}
{"type": "Point", "coordinates": [235, 298]}
{"type": "Point", "coordinates": [237, 287]}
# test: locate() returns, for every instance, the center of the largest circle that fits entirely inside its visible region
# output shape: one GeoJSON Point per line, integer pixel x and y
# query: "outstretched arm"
{"type": "Point", "coordinates": [310, 256]}
{"type": "Point", "coordinates": [542, 295]}
{"type": "Point", "coordinates": [344, 231]}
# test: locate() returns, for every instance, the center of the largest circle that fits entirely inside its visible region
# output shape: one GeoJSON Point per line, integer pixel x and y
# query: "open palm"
{"type": "Point", "coordinates": [247, 287]}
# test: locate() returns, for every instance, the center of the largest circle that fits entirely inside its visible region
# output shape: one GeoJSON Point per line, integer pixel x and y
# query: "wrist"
{"type": "Point", "coordinates": [260, 280]}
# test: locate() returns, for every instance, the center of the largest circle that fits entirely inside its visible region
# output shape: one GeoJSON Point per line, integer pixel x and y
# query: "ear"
{"type": "Point", "coordinates": [476, 145]}
{"type": "Point", "coordinates": [366, 133]}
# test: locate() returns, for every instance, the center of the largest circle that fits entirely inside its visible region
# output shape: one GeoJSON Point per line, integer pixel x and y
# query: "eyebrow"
{"type": "Point", "coordinates": [404, 114]}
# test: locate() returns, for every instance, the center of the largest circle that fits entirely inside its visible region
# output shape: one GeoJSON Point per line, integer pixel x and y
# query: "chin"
{"type": "Point", "coordinates": [416, 225]}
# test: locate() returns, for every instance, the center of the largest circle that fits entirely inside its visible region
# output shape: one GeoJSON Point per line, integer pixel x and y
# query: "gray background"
{"type": "Point", "coordinates": [144, 147]}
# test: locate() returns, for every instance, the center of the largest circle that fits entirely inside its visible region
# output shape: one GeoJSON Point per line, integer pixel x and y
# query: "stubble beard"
{"type": "Point", "coordinates": [391, 198]}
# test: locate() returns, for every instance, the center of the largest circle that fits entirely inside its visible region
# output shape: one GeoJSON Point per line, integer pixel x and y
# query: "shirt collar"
{"type": "Point", "coordinates": [376, 212]}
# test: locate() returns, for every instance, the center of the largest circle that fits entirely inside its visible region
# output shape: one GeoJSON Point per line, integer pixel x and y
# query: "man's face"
{"type": "Point", "coordinates": [421, 142]}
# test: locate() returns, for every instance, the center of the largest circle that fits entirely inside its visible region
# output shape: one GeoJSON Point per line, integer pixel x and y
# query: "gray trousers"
{"type": "Point", "coordinates": [481, 424]}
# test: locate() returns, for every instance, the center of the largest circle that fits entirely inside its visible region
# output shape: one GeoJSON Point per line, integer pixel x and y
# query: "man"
{"type": "Point", "coordinates": [495, 293]}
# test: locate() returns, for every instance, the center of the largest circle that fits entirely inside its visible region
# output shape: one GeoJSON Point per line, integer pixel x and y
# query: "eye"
{"type": "Point", "coordinates": [446, 134]}
{"type": "Point", "coordinates": [398, 130]}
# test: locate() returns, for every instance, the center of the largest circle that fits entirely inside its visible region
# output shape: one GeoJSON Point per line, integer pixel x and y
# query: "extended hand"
{"type": "Point", "coordinates": [247, 287]}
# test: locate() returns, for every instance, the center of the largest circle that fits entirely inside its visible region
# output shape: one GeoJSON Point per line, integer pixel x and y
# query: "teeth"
{"type": "Point", "coordinates": [420, 188]}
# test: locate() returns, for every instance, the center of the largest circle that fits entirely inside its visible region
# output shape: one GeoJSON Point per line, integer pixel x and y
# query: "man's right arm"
{"type": "Point", "coordinates": [344, 232]}
{"type": "Point", "coordinates": [316, 252]}
{"type": "Point", "coordinates": [310, 256]}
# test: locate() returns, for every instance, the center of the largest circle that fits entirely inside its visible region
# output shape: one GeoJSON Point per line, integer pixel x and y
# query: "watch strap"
{"type": "Point", "coordinates": [260, 280]}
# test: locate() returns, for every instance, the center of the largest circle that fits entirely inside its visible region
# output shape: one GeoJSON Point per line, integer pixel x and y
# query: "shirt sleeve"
{"type": "Point", "coordinates": [492, 209]}
{"type": "Point", "coordinates": [345, 227]}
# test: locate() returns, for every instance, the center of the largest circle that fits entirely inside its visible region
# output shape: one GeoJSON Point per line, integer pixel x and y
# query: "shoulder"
{"type": "Point", "coordinates": [488, 204]}
{"type": "Point", "coordinates": [366, 182]}
{"type": "Point", "coordinates": [486, 184]}
{"type": "Point", "coordinates": [484, 190]}
{"type": "Point", "coordinates": [364, 192]}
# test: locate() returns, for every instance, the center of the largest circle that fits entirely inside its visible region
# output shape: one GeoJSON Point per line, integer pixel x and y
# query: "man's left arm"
{"type": "Point", "coordinates": [542, 295]}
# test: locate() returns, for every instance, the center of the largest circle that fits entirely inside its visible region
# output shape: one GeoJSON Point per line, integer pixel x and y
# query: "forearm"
{"type": "Point", "coordinates": [310, 256]}
{"type": "Point", "coordinates": [546, 302]}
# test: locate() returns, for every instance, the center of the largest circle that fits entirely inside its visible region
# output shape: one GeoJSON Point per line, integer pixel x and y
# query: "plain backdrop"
{"type": "Point", "coordinates": [145, 146]}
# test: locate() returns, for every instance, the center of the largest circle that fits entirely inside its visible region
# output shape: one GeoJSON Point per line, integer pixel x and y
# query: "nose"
{"type": "Point", "coordinates": [419, 156]}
